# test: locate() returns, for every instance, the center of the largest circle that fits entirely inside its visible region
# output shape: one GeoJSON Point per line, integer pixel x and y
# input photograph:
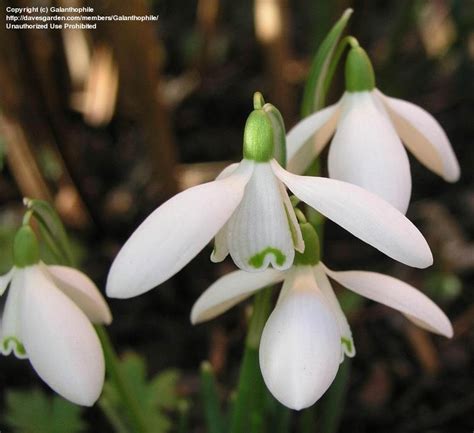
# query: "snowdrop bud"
{"type": "Point", "coordinates": [311, 254]}
{"type": "Point", "coordinates": [359, 72]}
{"type": "Point", "coordinates": [258, 137]}
{"type": "Point", "coordinates": [25, 248]}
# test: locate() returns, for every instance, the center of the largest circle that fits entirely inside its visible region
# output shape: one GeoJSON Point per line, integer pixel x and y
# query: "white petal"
{"type": "Point", "coordinates": [61, 343]}
{"type": "Point", "coordinates": [229, 290]}
{"type": "Point", "coordinates": [300, 347]}
{"type": "Point", "coordinates": [258, 233]}
{"type": "Point", "coordinates": [174, 233]}
{"type": "Point", "coordinates": [295, 229]}
{"type": "Point", "coordinates": [82, 290]}
{"type": "Point", "coordinates": [220, 251]}
{"type": "Point", "coordinates": [347, 343]}
{"type": "Point", "coordinates": [424, 136]}
{"type": "Point", "coordinates": [307, 138]}
{"type": "Point", "coordinates": [11, 339]}
{"type": "Point", "coordinates": [363, 214]}
{"type": "Point", "coordinates": [5, 280]}
{"type": "Point", "coordinates": [227, 171]}
{"type": "Point", "coordinates": [396, 294]}
{"type": "Point", "coordinates": [367, 152]}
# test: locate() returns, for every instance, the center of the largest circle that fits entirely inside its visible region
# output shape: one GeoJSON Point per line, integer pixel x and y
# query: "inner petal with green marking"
{"type": "Point", "coordinates": [258, 259]}
{"type": "Point", "coordinates": [348, 344]}
{"type": "Point", "coordinates": [15, 344]}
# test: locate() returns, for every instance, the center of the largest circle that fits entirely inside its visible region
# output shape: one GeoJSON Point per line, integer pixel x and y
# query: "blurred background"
{"type": "Point", "coordinates": [108, 123]}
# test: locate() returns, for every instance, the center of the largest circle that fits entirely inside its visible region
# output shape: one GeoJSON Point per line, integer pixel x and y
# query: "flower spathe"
{"type": "Point", "coordinates": [307, 334]}
{"type": "Point", "coordinates": [248, 211]}
{"type": "Point", "coordinates": [366, 150]}
{"type": "Point", "coordinates": [47, 319]}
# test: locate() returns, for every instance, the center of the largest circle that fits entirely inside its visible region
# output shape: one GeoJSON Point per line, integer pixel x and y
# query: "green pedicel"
{"type": "Point", "coordinates": [25, 248]}
{"type": "Point", "coordinates": [311, 254]}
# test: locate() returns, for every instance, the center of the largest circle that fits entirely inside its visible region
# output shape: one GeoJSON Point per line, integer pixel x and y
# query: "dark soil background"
{"type": "Point", "coordinates": [185, 87]}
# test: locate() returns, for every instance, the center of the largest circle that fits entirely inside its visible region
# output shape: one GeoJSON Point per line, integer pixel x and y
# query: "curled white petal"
{"type": "Point", "coordinates": [61, 343]}
{"type": "Point", "coordinates": [220, 251]}
{"type": "Point", "coordinates": [300, 346]}
{"type": "Point", "coordinates": [174, 233]}
{"type": "Point", "coordinates": [367, 151]}
{"type": "Point", "coordinates": [229, 290]}
{"type": "Point", "coordinates": [258, 233]}
{"type": "Point", "coordinates": [5, 280]}
{"type": "Point", "coordinates": [307, 139]}
{"type": "Point", "coordinates": [82, 290]}
{"type": "Point", "coordinates": [363, 214]}
{"type": "Point", "coordinates": [424, 136]}
{"type": "Point", "coordinates": [11, 338]}
{"type": "Point", "coordinates": [295, 229]}
{"type": "Point", "coordinates": [347, 342]}
{"type": "Point", "coordinates": [398, 295]}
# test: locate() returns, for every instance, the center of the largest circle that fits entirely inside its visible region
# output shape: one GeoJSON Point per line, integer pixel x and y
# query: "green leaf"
{"type": "Point", "coordinates": [315, 89]}
{"type": "Point", "coordinates": [35, 412]}
{"type": "Point", "coordinates": [210, 399]}
{"type": "Point", "coordinates": [154, 396]}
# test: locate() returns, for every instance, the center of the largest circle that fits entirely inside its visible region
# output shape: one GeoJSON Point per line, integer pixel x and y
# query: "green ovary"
{"type": "Point", "coordinates": [20, 349]}
{"type": "Point", "coordinates": [256, 260]}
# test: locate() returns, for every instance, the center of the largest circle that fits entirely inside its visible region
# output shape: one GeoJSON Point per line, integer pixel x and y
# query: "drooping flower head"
{"type": "Point", "coordinates": [47, 319]}
{"type": "Point", "coordinates": [248, 210]}
{"type": "Point", "coordinates": [307, 334]}
{"type": "Point", "coordinates": [369, 129]}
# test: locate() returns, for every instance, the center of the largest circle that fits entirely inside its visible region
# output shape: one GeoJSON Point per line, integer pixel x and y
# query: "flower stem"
{"type": "Point", "coordinates": [210, 399]}
{"type": "Point", "coordinates": [346, 41]}
{"type": "Point", "coordinates": [247, 415]}
{"type": "Point", "coordinates": [136, 417]}
{"type": "Point", "coordinates": [333, 402]}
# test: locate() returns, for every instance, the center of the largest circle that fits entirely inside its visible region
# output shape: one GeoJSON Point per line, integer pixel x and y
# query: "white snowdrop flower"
{"type": "Point", "coordinates": [369, 129]}
{"type": "Point", "coordinates": [307, 334]}
{"type": "Point", "coordinates": [248, 211]}
{"type": "Point", "coordinates": [47, 319]}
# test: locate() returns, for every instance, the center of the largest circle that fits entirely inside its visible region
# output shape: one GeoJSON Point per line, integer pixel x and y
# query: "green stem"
{"type": "Point", "coordinates": [183, 417]}
{"type": "Point", "coordinates": [113, 368]}
{"type": "Point", "coordinates": [247, 414]}
{"type": "Point", "coordinates": [333, 402]}
{"type": "Point", "coordinates": [113, 416]}
{"type": "Point", "coordinates": [210, 399]}
{"type": "Point", "coordinates": [346, 41]}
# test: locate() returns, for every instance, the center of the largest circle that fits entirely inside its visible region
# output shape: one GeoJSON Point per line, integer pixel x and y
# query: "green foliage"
{"type": "Point", "coordinates": [210, 399]}
{"type": "Point", "coordinates": [155, 396]}
{"type": "Point", "coordinates": [444, 286]}
{"type": "Point", "coordinates": [316, 86]}
{"type": "Point", "coordinates": [35, 412]}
